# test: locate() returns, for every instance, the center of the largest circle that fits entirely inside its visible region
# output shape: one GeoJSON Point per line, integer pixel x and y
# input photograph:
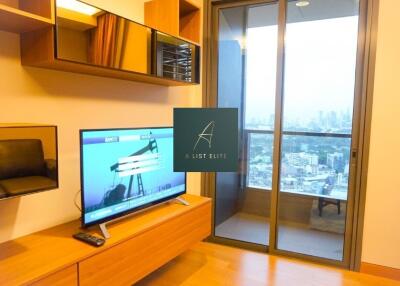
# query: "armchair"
{"type": "Point", "coordinates": [23, 168]}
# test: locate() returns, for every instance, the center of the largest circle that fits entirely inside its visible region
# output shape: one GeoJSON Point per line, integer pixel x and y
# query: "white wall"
{"type": "Point", "coordinates": [381, 240]}
{"type": "Point", "coordinates": [75, 101]}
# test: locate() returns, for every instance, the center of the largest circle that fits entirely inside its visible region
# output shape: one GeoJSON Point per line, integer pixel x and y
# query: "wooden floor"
{"type": "Point", "coordinates": [209, 264]}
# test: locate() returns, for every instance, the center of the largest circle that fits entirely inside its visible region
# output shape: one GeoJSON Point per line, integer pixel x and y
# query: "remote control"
{"type": "Point", "coordinates": [90, 239]}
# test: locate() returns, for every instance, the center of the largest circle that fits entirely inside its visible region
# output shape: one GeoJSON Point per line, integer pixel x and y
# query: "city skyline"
{"type": "Point", "coordinates": [331, 121]}
{"type": "Point", "coordinates": [308, 163]}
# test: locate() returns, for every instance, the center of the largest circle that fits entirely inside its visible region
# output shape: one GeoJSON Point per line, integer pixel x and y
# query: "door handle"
{"type": "Point", "coordinates": [354, 154]}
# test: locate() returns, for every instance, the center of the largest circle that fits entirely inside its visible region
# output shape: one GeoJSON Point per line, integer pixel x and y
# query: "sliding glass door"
{"type": "Point", "coordinates": [317, 120]}
{"type": "Point", "coordinates": [247, 48]}
{"type": "Point", "coordinates": [292, 68]}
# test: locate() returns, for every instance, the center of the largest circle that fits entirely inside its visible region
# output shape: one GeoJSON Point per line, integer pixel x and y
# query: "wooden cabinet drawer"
{"type": "Point", "coordinates": [131, 260]}
{"type": "Point", "coordinates": [64, 277]}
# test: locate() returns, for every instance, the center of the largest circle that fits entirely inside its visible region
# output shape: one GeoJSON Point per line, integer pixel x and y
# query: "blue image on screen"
{"type": "Point", "coordinates": [126, 169]}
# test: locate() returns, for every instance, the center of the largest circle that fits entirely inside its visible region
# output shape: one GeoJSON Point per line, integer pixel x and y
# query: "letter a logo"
{"type": "Point", "coordinates": [206, 135]}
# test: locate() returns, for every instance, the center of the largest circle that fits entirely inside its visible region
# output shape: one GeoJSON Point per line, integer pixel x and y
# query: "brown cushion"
{"type": "Point", "coordinates": [3, 194]}
{"type": "Point", "coordinates": [20, 158]}
{"type": "Point", "coordinates": [20, 186]}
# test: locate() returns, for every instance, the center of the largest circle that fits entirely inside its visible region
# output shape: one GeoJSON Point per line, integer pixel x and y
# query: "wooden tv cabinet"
{"type": "Point", "coordinates": [138, 245]}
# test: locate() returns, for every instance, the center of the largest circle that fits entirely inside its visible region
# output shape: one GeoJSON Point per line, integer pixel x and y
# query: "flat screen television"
{"type": "Point", "coordinates": [124, 170]}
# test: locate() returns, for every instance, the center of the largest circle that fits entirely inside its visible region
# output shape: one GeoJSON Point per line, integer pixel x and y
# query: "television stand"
{"type": "Point", "coordinates": [181, 201]}
{"type": "Point", "coordinates": [104, 230]}
{"type": "Point", "coordinates": [165, 231]}
{"type": "Point", "coordinates": [103, 227]}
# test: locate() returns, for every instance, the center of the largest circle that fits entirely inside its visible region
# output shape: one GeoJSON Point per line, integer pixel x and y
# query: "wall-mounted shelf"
{"type": "Point", "coordinates": [25, 15]}
{"type": "Point", "coordinates": [37, 49]}
{"type": "Point", "coordinates": [189, 20]}
{"type": "Point", "coordinates": [180, 18]}
{"type": "Point", "coordinates": [84, 44]}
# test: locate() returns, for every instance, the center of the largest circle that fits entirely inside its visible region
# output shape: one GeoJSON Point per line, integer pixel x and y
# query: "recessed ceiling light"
{"type": "Point", "coordinates": [78, 6]}
{"type": "Point", "coordinates": [302, 3]}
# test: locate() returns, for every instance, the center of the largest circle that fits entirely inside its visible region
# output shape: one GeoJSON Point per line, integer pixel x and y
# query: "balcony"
{"type": "Point", "coordinates": [314, 174]}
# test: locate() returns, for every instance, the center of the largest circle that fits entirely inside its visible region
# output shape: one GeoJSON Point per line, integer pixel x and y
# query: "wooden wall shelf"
{"type": "Point", "coordinates": [70, 45]}
{"type": "Point", "coordinates": [25, 15]}
{"type": "Point", "coordinates": [42, 45]}
{"type": "Point", "coordinates": [189, 20]}
{"type": "Point", "coordinates": [180, 18]}
{"type": "Point", "coordinates": [138, 245]}
{"type": "Point", "coordinates": [38, 50]}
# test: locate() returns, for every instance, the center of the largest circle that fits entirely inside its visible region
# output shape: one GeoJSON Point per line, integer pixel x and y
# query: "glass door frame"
{"type": "Point", "coordinates": [360, 133]}
{"type": "Point", "coordinates": [209, 179]}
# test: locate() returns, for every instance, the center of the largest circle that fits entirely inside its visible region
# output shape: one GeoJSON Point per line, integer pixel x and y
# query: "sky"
{"type": "Point", "coordinates": [320, 59]}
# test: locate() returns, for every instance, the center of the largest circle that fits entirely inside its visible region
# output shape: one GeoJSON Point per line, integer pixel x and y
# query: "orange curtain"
{"type": "Point", "coordinates": [103, 41]}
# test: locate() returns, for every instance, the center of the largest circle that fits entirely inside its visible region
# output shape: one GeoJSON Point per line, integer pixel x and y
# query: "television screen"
{"type": "Point", "coordinates": [123, 170]}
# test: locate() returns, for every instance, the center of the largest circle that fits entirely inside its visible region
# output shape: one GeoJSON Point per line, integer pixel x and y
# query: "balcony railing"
{"type": "Point", "coordinates": [312, 163]}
